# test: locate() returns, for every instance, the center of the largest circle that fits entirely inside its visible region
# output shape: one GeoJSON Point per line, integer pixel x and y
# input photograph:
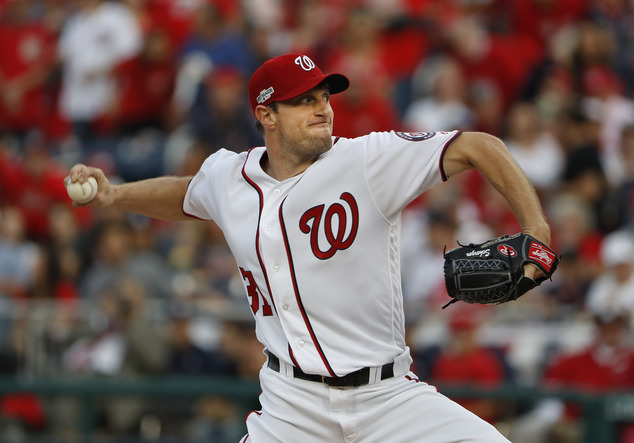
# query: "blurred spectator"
{"type": "Point", "coordinates": [212, 42]}
{"type": "Point", "coordinates": [222, 118]}
{"type": "Point", "coordinates": [97, 37]}
{"type": "Point", "coordinates": [606, 365]}
{"type": "Point", "coordinates": [239, 341]}
{"type": "Point", "coordinates": [368, 104]}
{"type": "Point", "coordinates": [21, 413]}
{"type": "Point", "coordinates": [215, 417]}
{"type": "Point", "coordinates": [177, 17]}
{"type": "Point", "coordinates": [357, 52]}
{"type": "Point", "coordinates": [537, 152]}
{"type": "Point", "coordinates": [63, 257]}
{"type": "Point", "coordinates": [493, 210]}
{"type": "Point", "coordinates": [578, 242]}
{"type": "Point", "coordinates": [566, 294]}
{"type": "Point", "coordinates": [491, 59]}
{"type": "Point", "coordinates": [624, 194]}
{"type": "Point", "coordinates": [405, 40]}
{"type": "Point", "coordinates": [204, 266]}
{"type": "Point", "coordinates": [361, 111]}
{"type": "Point", "coordinates": [310, 25]}
{"type": "Point", "coordinates": [551, 85]}
{"type": "Point", "coordinates": [33, 182]}
{"type": "Point", "coordinates": [186, 356]}
{"type": "Point", "coordinates": [617, 15]}
{"type": "Point", "coordinates": [18, 257]}
{"type": "Point", "coordinates": [448, 216]}
{"type": "Point", "coordinates": [145, 85]}
{"type": "Point", "coordinates": [26, 63]}
{"type": "Point", "coordinates": [424, 287]}
{"type": "Point", "coordinates": [443, 106]}
{"type": "Point", "coordinates": [19, 261]}
{"type": "Point", "coordinates": [613, 112]}
{"type": "Point", "coordinates": [124, 343]}
{"type": "Point", "coordinates": [614, 288]}
{"type": "Point", "coordinates": [63, 324]}
{"type": "Point", "coordinates": [574, 233]}
{"type": "Point", "coordinates": [116, 257]}
{"type": "Point", "coordinates": [584, 174]}
{"type": "Point", "coordinates": [540, 19]}
{"type": "Point", "coordinates": [485, 100]}
{"type": "Point", "coordinates": [593, 47]}
{"type": "Point", "coordinates": [464, 361]}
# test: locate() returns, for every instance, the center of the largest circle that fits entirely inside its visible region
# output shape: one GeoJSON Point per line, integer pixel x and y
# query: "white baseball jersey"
{"type": "Point", "coordinates": [319, 252]}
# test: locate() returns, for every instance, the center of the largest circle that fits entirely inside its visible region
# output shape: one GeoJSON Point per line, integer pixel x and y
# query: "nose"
{"type": "Point", "coordinates": [323, 108]}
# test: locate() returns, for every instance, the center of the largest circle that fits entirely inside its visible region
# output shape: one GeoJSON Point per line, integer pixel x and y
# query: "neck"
{"type": "Point", "coordinates": [282, 168]}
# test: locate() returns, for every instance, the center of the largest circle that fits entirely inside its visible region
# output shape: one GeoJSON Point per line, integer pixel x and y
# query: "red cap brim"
{"type": "Point", "coordinates": [336, 82]}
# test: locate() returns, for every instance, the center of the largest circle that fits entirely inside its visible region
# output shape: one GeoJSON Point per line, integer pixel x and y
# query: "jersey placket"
{"type": "Point", "coordinates": [277, 264]}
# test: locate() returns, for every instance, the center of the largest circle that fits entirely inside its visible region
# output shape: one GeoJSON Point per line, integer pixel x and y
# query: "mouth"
{"type": "Point", "coordinates": [323, 123]}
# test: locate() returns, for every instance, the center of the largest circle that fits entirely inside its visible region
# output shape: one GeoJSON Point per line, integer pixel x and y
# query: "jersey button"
{"type": "Point", "coordinates": [276, 268]}
{"type": "Point", "coordinates": [268, 227]}
{"type": "Point", "coordinates": [285, 307]}
{"type": "Point", "coordinates": [277, 192]}
{"type": "Point", "coordinates": [301, 342]}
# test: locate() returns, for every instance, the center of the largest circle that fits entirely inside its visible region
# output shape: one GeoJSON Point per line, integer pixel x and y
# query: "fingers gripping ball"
{"type": "Point", "coordinates": [493, 272]}
{"type": "Point", "coordinates": [82, 192]}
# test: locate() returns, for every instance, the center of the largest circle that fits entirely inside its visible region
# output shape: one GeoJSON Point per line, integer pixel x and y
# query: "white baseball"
{"type": "Point", "coordinates": [82, 192]}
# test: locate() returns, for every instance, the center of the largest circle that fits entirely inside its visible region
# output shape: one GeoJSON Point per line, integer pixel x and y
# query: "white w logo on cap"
{"type": "Point", "coordinates": [305, 63]}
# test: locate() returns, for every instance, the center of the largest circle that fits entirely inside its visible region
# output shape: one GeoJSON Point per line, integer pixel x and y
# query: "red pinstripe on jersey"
{"type": "Point", "coordinates": [257, 231]}
{"type": "Point", "coordinates": [298, 296]}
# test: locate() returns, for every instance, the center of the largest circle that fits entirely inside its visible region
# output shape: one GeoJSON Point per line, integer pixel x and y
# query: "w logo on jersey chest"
{"type": "Point", "coordinates": [336, 232]}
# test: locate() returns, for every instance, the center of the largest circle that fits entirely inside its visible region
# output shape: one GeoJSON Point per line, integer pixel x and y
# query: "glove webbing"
{"type": "Point", "coordinates": [515, 286]}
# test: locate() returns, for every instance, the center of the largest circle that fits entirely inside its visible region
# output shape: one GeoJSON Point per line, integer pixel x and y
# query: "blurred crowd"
{"type": "Point", "coordinates": [142, 88]}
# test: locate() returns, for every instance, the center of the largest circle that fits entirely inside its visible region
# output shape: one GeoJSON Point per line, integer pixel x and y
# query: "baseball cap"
{"type": "Point", "coordinates": [287, 76]}
{"type": "Point", "coordinates": [608, 315]}
{"type": "Point", "coordinates": [618, 248]}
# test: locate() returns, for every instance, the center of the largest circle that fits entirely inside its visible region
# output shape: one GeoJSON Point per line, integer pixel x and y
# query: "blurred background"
{"type": "Point", "coordinates": [118, 328]}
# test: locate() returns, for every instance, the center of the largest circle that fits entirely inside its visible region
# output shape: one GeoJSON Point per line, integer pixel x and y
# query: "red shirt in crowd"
{"type": "Point", "coordinates": [594, 369]}
{"type": "Point", "coordinates": [27, 53]}
{"type": "Point", "coordinates": [479, 367]}
{"type": "Point", "coordinates": [176, 17]}
{"type": "Point", "coordinates": [145, 89]}
{"type": "Point", "coordinates": [34, 185]}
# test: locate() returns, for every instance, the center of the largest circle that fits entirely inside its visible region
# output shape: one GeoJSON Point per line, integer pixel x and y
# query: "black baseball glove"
{"type": "Point", "coordinates": [493, 272]}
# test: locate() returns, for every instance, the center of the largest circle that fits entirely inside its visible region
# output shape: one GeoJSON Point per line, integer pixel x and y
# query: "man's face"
{"type": "Point", "coordinates": [305, 123]}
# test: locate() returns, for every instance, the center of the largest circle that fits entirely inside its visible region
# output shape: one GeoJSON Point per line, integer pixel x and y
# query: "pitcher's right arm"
{"type": "Point", "coordinates": [160, 197]}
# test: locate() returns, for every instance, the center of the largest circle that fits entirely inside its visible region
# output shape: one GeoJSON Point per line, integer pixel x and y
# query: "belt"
{"type": "Point", "coordinates": [356, 378]}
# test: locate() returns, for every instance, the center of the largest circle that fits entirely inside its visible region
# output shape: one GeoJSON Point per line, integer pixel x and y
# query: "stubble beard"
{"type": "Point", "coordinates": [305, 149]}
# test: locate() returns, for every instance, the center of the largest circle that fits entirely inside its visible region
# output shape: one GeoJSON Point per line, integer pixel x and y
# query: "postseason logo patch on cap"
{"type": "Point", "coordinates": [265, 94]}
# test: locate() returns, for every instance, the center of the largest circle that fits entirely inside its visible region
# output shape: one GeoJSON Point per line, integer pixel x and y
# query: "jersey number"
{"type": "Point", "coordinates": [254, 292]}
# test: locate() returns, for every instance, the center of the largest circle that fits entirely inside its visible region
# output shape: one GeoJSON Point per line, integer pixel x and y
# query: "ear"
{"type": "Point", "coordinates": [266, 116]}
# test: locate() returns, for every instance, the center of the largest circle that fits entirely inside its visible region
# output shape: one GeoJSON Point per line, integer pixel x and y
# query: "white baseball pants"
{"type": "Point", "coordinates": [396, 410]}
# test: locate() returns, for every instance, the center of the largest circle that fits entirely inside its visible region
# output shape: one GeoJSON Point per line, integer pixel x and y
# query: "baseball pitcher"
{"type": "Point", "coordinates": [313, 221]}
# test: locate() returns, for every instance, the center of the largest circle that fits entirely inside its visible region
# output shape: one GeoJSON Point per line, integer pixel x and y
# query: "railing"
{"type": "Point", "coordinates": [242, 393]}
{"type": "Point", "coordinates": [601, 413]}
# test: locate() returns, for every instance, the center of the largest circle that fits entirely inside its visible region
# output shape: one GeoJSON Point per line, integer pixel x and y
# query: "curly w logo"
{"type": "Point", "coordinates": [336, 234]}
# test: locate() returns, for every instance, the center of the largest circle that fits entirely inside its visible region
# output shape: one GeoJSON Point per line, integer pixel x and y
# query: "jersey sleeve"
{"type": "Point", "coordinates": [202, 199]}
{"type": "Point", "coordinates": [402, 165]}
